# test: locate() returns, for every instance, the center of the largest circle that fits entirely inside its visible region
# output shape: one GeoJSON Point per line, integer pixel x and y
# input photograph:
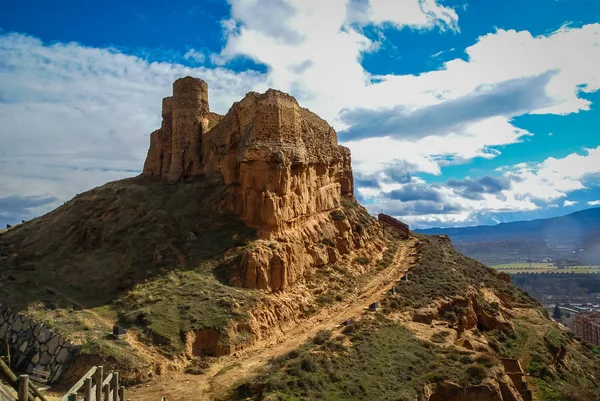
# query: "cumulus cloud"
{"type": "Point", "coordinates": [475, 188]}
{"type": "Point", "coordinates": [195, 55]}
{"type": "Point", "coordinates": [525, 187]}
{"type": "Point", "coordinates": [415, 192]}
{"type": "Point", "coordinates": [508, 98]}
{"type": "Point", "coordinates": [414, 208]}
{"type": "Point", "coordinates": [417, 14]}
{"type": "Point", "coordinates": [403, 124]}
{"type": "Point", "coordinates": [313, 48]}
{"type": "Point", "coordinates": [594, 203]}
{"type": "Point", "coordinates": [74, 117]}
{"type": "Point", "coordinates": [15, 208]}
{"type": "Point", "coordinates": [555, 177]}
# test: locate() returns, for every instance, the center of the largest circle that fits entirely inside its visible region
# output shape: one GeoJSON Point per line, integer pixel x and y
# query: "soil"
{"type": "Point", "coordinates": [240, 367]}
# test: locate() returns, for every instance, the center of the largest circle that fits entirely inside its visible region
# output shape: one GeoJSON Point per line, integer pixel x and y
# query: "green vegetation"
{"type": "Point", "coordinates": [180, 301]}
{"type": "Point", "coordinates": [440, 336]}
{"type": "Point", "coordinates": [115, 355]}
{"type": "Point", "coordinates": [441, 272]}
{"type": "Point", "coordinates": [136, 252]}
{"type": "Point", "coordinates": [393, 239]}
{"type": "Point", "coordinates": [337, 215]}
{"type": "Point", "coordinates": [385, 362]}
{"type": "Point", "coordinates": [362, 260]}
{"type": "Point", "coordinates": [560, 367]}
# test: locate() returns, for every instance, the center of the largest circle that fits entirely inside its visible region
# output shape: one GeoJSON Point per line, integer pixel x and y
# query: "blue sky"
{"type": "Point", "coordinates": [456, 112]}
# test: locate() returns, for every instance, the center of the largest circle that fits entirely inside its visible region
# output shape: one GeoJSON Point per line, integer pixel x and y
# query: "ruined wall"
{"type": "Point", "coordinates": [397, 224]}
{"type": "Point", "coordinates": [158, 161]}
{"type": "Point", "coordinates": [32, 345]}
{"type": "Point", "coordinates": [175, 149]}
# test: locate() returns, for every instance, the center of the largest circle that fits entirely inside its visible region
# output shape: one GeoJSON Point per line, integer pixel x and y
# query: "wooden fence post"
{"type": "Point", "coordinates": [122, 393]}
{"type": "Point", "coordinates": [88, 389]}
{"type": "Point", "coordinates": [99, 380]}
{"type": "Point", "coordinates": [107, 392]}
{"type": "Point", "coordinates": [23, 387]}
{"type": "Point", "coordinates": [115, 386]}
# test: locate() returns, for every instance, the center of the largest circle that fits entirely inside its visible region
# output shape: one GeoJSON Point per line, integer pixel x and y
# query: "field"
{"type": "Point", "coordinates": [537, 268]}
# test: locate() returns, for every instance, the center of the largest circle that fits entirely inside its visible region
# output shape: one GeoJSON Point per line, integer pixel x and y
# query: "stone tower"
{"type": "Point", "coordinates": [176, 148]}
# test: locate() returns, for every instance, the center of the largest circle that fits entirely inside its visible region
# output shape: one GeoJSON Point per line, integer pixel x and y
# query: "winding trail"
{"type": "Point", "coordinates": [231, 370]}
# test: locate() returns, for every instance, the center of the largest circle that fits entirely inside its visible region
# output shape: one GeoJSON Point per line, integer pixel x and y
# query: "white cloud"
{"type": "Point", "coordinates": [423, 14]}
{"type": "Point", "coordinates": [75, 117]}
{"type": "Point", "coordinates": [310, 49]}
{"type": "Point", "coordinates": [313, 53]}
{"type": "Point", "coordinates": [313, 50]}
{"type": "Point", "coordinates": [555, 178]}
{"type": "Point", "coordinates": [195, 55]}
{"type": "Point", "coordinates": [523, 187]}
{"type": "Point", "coordinates": [594, 203]}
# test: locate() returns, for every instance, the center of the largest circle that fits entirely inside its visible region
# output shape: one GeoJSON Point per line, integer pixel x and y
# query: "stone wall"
{"type": "Point", "coordinates": [401, 227]}
{"type": "Point", "coordinates": [32, 345]}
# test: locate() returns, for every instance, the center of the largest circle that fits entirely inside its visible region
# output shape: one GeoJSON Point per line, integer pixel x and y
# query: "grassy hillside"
{"type": "Point", "coordinates": [384, 356]}
{"type": "Point", "coordinates": [374, 359]}
{"type": "Point", "coordinates": [137, 252]}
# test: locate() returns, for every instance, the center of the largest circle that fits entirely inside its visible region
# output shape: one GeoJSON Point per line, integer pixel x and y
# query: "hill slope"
{"type": "Point", "coordinates": [439, 336]}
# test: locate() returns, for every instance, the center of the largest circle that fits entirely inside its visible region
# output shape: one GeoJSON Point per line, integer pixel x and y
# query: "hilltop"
{"type": "Point", "coordinates": [194, 254]}
{"type": "Point", "coordinates": [242, 267]}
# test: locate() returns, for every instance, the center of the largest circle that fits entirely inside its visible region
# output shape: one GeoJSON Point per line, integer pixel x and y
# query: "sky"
{"type": "Point", "coordinates": [457, 112]}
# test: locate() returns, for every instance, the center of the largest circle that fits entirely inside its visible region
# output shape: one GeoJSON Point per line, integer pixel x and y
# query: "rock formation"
{"type": "Point", "coordinates": [175, 149]}
{"type": "Point", "coordinates": [285, 174]}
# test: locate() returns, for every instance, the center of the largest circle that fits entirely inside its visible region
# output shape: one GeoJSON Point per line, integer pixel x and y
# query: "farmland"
{"type": "Point", "coordinates": [538, 268]}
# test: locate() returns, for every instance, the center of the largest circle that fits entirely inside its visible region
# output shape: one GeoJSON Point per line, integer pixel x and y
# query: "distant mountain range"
{"type": "Point", "coordinates": [557, 237]}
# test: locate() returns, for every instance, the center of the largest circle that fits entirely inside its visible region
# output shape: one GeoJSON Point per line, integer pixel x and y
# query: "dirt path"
{"type": "Point", "coordinates": [229, 370]}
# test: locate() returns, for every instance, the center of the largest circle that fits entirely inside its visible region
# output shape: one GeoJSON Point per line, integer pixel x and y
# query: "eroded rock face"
{"type": "Point", "coordinates": [284, 171]}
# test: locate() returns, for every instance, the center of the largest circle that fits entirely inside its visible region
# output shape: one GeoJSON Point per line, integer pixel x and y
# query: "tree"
{"type": "Point", "coordinates": [557, 314]}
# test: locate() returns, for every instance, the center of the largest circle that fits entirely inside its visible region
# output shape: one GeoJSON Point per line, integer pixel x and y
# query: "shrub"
{"type": "Point", "coordinates": [439, 336]}
{"type": "Point", "coordinates": [321, 337]}
{"type": "Point", "coordinates": [486, 360]}
{"type": "Point", "coordinates": [363, 260]}
{"type": "Point", "coordinates": [476, 373]}
{"type": "Point", "coordinates": [337, 215]}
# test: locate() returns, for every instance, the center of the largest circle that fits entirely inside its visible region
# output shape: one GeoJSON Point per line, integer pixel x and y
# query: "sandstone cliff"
{"type": "Point", "coordinates": [285, 172]}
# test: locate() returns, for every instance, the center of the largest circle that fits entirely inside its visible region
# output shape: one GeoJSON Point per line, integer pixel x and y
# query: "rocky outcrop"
{"type": "Point", "coordinates": [34, 346]}
{"type": "Point", "coordinates": [285, 174]}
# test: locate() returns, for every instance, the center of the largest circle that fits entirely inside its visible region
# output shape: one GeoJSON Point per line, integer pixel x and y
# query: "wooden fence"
{"type": "Point", "coordinates": [26, 391]}
{"type": "Point", "coordinates": [97, 387]}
